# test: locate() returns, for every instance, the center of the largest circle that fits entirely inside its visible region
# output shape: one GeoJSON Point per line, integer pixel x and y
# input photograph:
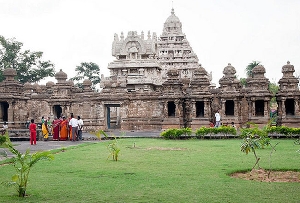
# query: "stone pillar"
{"type": "Point", "coordinates": [236, 107]}
{"type": "Point", "coordinates": [193, 110]}
{"type": "Point", "coordinates": [266, 107]}
{"type": "Point", "coordinates": [177, 108]}
{"type": "Point", "coordinates": [283, 108]}
{"type": "Point", "coordinates": [1, 112]}
{"type": "Point", "coordinates": [207, 109]}
{"type": "Point", "coordinates": [51, 111]}
{"type": "Point", "coordinates": [165, 113]}
{"type": "Point", "coordinates": [253, 108]}
{"type": "Point", "coordinates": [10, 112]}
{"type": "Point", "coordinates": [296, 101]}
{"type": "Point", "coordinates": [222, 111]}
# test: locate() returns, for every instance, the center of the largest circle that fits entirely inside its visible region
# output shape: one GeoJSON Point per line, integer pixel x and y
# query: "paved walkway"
{"type": "Point", "coordinates": [22, 146]}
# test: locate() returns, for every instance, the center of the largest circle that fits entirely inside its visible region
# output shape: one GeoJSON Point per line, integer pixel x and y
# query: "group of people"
{"type": "Point", "coordinates": [60, 128]}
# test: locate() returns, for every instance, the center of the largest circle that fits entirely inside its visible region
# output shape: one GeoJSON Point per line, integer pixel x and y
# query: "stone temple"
{"type": "Point", "coordinates": [155, 83]}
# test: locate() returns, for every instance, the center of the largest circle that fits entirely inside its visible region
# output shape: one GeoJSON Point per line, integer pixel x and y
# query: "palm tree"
{"type": "Point", "coordinates": [250, 67]}
{"type": "Point", "coordinates": [23, 163]}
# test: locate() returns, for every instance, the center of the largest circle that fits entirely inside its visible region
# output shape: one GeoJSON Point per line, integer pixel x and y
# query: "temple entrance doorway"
{"type": "Point", "coordinates": [171, 109]}
{"type": "Point", "coordinates": [229, 108]}
{"type": "Point", "coordinates": [113, 116]}
{"type": "Point", "coordinates": [199, 109]}
{"type": "Point", "coordinates": [57, 111]}
{"type": "Point", "coordinates": [4, 111]}
{"type": "Point", "coordinates": [290, 107]}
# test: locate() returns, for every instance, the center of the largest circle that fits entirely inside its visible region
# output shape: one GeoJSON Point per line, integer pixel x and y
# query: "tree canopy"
{"type": "Point", "coordinates": [273, 87]}
{"type": "Point", "coordinates": [87, 70]}
{"type": "Point", "coordinates": [250, 67]}
{"type": "Point", "coordinates": [29, 65]}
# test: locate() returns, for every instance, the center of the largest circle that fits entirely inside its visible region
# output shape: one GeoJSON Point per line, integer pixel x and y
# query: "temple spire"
{"type": "Point", "coordinates": [172, 11]}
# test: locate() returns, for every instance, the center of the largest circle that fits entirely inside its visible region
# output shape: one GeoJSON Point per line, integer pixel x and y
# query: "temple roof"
{"type": "Point", "coordinates": [173, 24]}
{"type": "Point", "coordinates": [61, 76]}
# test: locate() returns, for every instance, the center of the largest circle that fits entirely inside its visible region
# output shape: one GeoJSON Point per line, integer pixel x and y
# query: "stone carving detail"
{"type": "Point", "coordinates": [173, 49]}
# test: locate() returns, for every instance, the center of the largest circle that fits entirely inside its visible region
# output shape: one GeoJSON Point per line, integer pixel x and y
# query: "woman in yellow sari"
{"type": "Point", "coordinates": [63, 133]}
{"type": "Point", "coordinates": [45, 131]}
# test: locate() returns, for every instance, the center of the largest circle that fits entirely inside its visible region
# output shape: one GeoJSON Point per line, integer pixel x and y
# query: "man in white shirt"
{"type": "Point", "coordinates": [80, 126]}
{"type": "Point", "coordinates": [218, 119]}
{"type": "Point", "coordinates": [74, 123]}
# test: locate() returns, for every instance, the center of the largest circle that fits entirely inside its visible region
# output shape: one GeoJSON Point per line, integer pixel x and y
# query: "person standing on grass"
{"type": "Point", "coordinates": [32, 129]}
{"type": "Point", "coordinates": [218, 119]}
{"type": "Point", "coordinates": [80, 126]}
{"type": "Point", "coordinates": [74, 124]}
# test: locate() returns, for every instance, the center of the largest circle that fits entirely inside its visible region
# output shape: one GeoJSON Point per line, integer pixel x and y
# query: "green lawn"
{"type": "Point", "coordinates": [157, 170]}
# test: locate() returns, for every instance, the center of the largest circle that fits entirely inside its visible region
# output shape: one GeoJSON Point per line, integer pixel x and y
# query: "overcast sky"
{"type": "Point", "coordinates": [220, 31]}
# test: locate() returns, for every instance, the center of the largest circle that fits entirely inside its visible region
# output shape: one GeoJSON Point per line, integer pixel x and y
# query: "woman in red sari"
{"type": "Point", "coordinates": [64, 129]}
{"type": "Point", "coordinates": [55, 128]}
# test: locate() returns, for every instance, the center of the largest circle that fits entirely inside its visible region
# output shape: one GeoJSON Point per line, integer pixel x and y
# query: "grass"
{"type": "Point", "coordinates": [157, 170]}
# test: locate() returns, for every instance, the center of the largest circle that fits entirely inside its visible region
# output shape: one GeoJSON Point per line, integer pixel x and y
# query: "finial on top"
{"type": "Point", "coordinates": [172, 12]}
{"type": "Point", "coordinates": [288, 62]}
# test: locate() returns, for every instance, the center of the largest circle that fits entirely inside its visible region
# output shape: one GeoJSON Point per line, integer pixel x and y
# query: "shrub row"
{"type": "Point", "coordinates": [174, 133]}
{"type": "Point", "coordinates": [225, 131]}
{"type": "Point", "coordinates": [283, 130]}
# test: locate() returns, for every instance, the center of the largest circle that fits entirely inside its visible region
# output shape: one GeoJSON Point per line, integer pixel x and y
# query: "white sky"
{"type": "Point", "coordinates": [220, 31]}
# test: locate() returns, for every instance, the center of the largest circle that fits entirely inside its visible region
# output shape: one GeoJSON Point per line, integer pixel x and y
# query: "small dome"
{"type": "Point", "coordinates": [9, 72]}
{"type": "Point", "coordinates": [27, 85]}
{"type": "Point", "coordinates": [49, 84]}
{"type": "Point", "coordinates": [200, 71]}
{"type": "Point", "coordinates": [36, 86]}
{"type": "Point", "coordinates": [87, 83]}
{"type": "Point", "coordinates": [229, 70]}
{"type": "Point", "coordinates": [259, 69]}
{"type": "Point", "coordinates": [173, 23]}
{"type": "Point", "coordinates": [61, 75]}
{"type": "Point", "coordinates": [288, 68]}
{"type": "Point", "coordinates": [70, 82]}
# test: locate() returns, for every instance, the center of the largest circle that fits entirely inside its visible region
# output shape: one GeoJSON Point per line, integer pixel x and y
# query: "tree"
{"type": "Point", "coordinates": [273, 87]}
{"type": "Point", "coordinates": [89, 71]}
{"type": "Point", "coordinates": [243, 81]}
{"type": "Point", "coordinates": [250, 67]}
{"type": "Point", "coordinates": [29, 65]}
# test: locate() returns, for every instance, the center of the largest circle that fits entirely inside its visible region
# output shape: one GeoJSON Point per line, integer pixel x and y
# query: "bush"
{"type": "Point", "coordinates": [171, 133]}
{"type": "Point", "coordinates": [284, 130]}
{"type": "Point", "coordinates": [174, 133]}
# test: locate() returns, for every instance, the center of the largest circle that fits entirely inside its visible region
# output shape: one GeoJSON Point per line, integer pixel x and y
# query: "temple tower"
{"type": "Point", "coordinates": [258, 96]}
{"type": "Point", "coordinates": [174, 50]}
{"type": "Point", "coordinates": [288, 97]}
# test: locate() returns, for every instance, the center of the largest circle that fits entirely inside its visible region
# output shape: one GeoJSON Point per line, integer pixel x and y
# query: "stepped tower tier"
{"type": "Point", "coordinates": [174, 50]}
